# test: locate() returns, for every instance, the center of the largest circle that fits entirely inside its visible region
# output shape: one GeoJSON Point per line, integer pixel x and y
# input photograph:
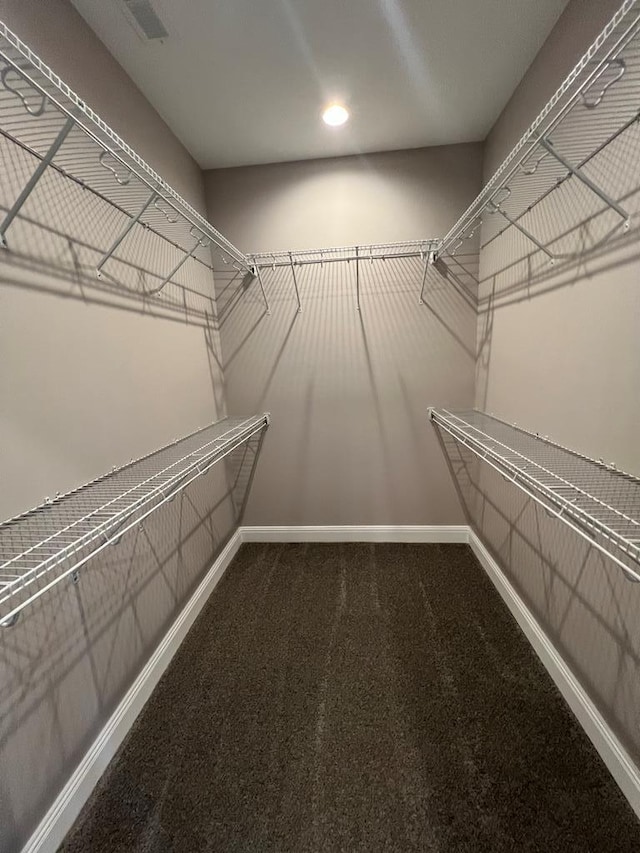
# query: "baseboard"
{"type": "Point", "coordinates": [358, 533]}
{"type": "Point", "coordinates": [612, 752]}
{"type": "Point", "coordinates": [67, 806]}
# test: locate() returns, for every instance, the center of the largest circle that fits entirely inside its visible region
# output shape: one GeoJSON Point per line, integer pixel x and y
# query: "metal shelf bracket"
{"type": "Point", "coordinates": [201, 241]}
{"type": "Point", "coordinates": [128, 227]}
{"type": "Point", "coordinates": [35, 177]}
{"type": "Point", "coordinates": [295, 280]}
{"type": "Point", "coordinates": [580, 175]}
{"type": "Point", "coordinates": [255, 272]}
{"type": "Point", "coordinates": [428, 260]}
{"type": "Point", "coordinates": [493, 207]}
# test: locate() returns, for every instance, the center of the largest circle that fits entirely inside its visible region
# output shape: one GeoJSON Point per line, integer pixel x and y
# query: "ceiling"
{"type": "Point", "coordinates": [244, 81]}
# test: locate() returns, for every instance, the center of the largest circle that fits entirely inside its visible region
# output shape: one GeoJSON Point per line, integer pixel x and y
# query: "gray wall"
{"type": "Point", "coordinates": [374, 198]}
{"type": "Point", "coordinates": [560, 355]}
{"type": "Point", "coordinates": [348, 390]}
{"type": "Point", "coordinates": [90, 377]}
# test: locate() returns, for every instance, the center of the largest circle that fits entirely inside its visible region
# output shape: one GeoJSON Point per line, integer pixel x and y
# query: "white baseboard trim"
{"type": "Point", "coordinates": [67, 806]}
{"type": "Point", "coordinates": [358, 533]}
{"type": "Point", "coordinates": [612, 752]}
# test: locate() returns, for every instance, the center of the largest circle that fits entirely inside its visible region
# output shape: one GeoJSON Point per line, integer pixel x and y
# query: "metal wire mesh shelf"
{"type": "Point", "coordinates": [334, 254]}
{"type": "Point", "coordinates": [41, 547]}
{"type": "Point", "coordinates": [423, 249]}
{"type": "Point", "coordinates": [53, 134]}
{"type": "Point", "coordinates": [597, 501]}
{"type": "Point", "coordinates": [562, 189]}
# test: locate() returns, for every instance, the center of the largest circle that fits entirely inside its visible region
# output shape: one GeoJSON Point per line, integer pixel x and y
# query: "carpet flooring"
{"type": "Point", "coordinates": [355, 697]}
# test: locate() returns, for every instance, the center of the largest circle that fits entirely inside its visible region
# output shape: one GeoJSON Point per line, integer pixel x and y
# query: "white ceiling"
{"type": "Point", "coordinates": [244, 81]}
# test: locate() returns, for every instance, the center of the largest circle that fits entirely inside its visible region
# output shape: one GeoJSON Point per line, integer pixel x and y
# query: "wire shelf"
{"type": "Point", "coordinates": [599, 502]}
{"type": "Point", "coordinates": [552, 183]}
{"type": "Point", "coordinates": [44, 118]}
{"type": "Point", "coordinates": [41, 547]}
{"type": "Point", "coordinates": [334, 254]}
{"type": "Point", "coordinates": [423, 249]}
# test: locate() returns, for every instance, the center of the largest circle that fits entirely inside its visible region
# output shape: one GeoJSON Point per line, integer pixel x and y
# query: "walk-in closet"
{"type": "Point", "coordinates": [319, 426]}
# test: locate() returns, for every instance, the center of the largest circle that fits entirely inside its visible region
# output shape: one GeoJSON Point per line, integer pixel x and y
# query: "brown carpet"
{"type": "Point", "coordinates": [356, 698]}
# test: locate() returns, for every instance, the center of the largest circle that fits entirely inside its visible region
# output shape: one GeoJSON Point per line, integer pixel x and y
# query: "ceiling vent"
{"type": "Point", "coordinates": [145, 19]}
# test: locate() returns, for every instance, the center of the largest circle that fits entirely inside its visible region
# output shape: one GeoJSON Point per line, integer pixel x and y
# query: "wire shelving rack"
{"type": "Point", "coordinates": [53, 130]}
{"type": "Point", "coordinates": [599, 502]}
{"type": "Point", "coordinates": [356, 255]}
{"type": "Point", "coordinates": [562, 191]}
{"type": "Point", "coordinates": [41, 547]}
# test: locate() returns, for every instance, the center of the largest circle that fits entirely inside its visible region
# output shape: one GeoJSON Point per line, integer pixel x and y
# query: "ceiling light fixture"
{"type": "Point", "coordinates": [335, 115]}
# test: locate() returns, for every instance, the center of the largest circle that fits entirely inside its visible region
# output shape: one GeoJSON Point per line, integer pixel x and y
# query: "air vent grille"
{"type": "Point", "coordinates": [146, 18]}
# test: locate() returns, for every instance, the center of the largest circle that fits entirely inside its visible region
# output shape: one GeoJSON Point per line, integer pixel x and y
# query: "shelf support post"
{"type": "Point", "coordinates": [428, 257]}
{"type": "Point", "coordinates": [200, 241]}
{"type": "Point", "coordinates": [576, 172]}
{"type": "Point", "coordinates": [254, 465]}
{"type": "Point", "coordinates": [35, 177]}
{"type": "Point", "coordinates": [124, 233]}
{"type": "Point", "coordinates": [256, 272]}
{"type": "Point", "coordinates": [295, 280]}
{"type": "Point", "coordinates": [495, 208]}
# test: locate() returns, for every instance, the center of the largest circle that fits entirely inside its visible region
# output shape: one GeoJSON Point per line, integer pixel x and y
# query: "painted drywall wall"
{"type": "Point", "coordinates": [348, 390]}
{"type": "Point", "coordinates": [92, 374]}
{"type": "Point", "coordinates": [374, 198]}
{"type": "Point", "coordinates": [559, 354]}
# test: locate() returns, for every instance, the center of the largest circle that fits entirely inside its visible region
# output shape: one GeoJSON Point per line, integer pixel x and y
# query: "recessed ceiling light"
{"type": "Point", "coordinates": [335, 115]}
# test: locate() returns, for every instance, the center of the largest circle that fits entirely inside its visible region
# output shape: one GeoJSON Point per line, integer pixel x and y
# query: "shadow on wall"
{"type": "Point", "coordinates": [78, 387]}
{"type": "Point", "coordinates": [44, 259]}
{"type": "Point", "coordinates": [583, 601]}
{"type": "Point", "coordinates": [72, 654]}
{"type": "Point", "coordinates": [69, 231]}
{"type": "Point", "coordinates": [619, 252]}
{"type": "Point", "coordinates": [574, 235]}
{"type": "Point", "coordinates": [349, 389]}
{"type": "Point", "coordinates": [59, 238]}
{"type": "Point", "coordinates": [564, 222]}
{"type": "Point", "coordinates": [68, 241]}
{"type": "Point", "coordinates": [152, 351]}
